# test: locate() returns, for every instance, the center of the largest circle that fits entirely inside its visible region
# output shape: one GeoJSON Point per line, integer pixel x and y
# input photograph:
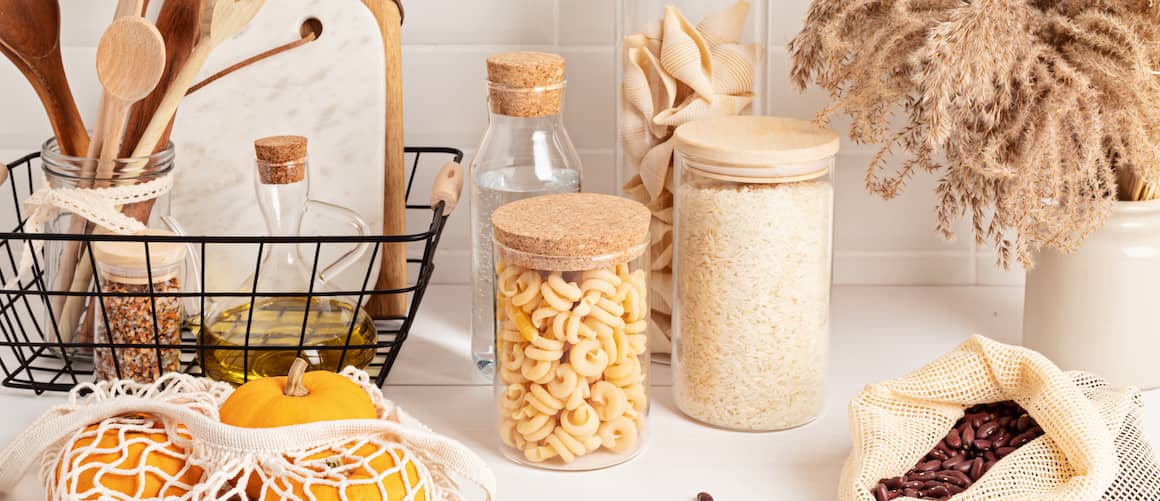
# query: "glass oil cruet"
{"type": "Point", "coordinates": [315, 329]}
{"type": "Point", "coordinates": [526, 152]}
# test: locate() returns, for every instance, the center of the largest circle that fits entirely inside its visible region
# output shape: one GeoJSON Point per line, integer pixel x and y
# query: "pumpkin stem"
{"type": "Point", "coordinates": [294, 386]}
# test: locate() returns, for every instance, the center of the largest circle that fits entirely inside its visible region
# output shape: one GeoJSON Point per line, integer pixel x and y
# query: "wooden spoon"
{"type": "Point", "coordinates": [220, 21]}
{"type": "Point", "coordinates": [130, 60]}
{"type": "Point", "coordinates": [30, 38]}
{"type": "Point", "coordinates": [178, 23]}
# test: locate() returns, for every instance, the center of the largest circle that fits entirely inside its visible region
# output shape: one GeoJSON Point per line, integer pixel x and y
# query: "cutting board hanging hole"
{"type": "Point", "coordinates": [311, 26]}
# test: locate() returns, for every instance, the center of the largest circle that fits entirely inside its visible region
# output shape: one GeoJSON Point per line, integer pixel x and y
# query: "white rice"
{"type": "Point", "coordinates": [753, 272]}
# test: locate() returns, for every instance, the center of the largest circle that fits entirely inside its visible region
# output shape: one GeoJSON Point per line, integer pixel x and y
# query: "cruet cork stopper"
{"type": "Point", "coordinates": [281, 159]}
{"type": "Point", "coordinates": [526, 84]}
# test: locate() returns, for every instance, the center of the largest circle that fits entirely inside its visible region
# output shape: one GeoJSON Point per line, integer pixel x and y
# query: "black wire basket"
{"type": "Point", "coordinates": [34, 356]}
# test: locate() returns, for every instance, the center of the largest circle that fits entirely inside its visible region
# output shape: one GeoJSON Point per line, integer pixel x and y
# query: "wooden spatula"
{"type": "Point", "coordinates": [30, 38]}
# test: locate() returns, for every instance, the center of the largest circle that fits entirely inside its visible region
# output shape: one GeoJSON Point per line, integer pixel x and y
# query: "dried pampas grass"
{"type": "Point", "coordinates": [1030, 110]}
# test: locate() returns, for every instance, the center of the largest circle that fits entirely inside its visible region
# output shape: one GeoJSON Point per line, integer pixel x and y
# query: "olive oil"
{"type": "Point", "coordinates": [278, 322]}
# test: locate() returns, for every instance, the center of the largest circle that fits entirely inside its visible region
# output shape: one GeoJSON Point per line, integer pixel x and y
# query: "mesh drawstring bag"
{"type": "Point", "coordinates": [122, 441]}
{"type": "Point", "coordinates": [1093, 447]}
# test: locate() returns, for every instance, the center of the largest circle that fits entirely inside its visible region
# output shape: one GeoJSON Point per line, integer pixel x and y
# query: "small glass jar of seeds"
{"type": "Point", "coordinates": [138, 307]}
{"type": "Point", "coordinates": [571, 341]}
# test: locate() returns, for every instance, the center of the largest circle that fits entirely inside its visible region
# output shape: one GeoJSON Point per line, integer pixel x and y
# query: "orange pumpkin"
{"type": "Point", "coordinates": [307, 397]}
{"type": "Point", "coordinates": [297, 398]}
{"type": "Point", "coordinates": [122, 469]}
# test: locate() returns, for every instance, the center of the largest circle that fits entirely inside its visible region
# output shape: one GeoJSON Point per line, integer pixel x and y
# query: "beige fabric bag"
{"type": "Point", "coordinates": [1093, 446]}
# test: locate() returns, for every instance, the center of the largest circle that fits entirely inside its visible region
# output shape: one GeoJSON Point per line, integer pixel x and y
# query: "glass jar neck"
{"type": "Point", "coordinates": [64, 171]}
{"type": "Point", "coordinates": [282, 191]}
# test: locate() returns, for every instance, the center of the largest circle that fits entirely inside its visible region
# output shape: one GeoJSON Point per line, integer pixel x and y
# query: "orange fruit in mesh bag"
{"type": "Point", "coordinates": [367, 472]}
{"type": "Point", "coordinates": [126, 457]}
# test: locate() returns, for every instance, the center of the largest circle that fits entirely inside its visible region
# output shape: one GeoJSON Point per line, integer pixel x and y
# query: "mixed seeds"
{"type": "Point", "coordinates": [130, 320]}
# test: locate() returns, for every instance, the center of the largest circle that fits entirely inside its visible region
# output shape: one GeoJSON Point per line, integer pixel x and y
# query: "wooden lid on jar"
{"type": "Point", "coordinates": [571, 231]}
{"type": "Point", "coordinates": [526, 84]}
{"type": "Point", "coordinates": [757, 148]}
{"type": "Point", "coordinates": [125, 262]}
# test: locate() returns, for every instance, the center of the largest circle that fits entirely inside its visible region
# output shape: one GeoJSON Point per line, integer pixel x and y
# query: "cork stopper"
{"type": "Point", "coordinates": [571, 231]}
{"type": "Point", "coordinates": [526, 84]}
{"type": "Point", "coordinates": [281, 159]}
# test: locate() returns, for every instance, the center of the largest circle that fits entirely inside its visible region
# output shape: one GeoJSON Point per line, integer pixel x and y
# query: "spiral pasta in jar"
{"type": "Point", "coordinates": [572, 330]}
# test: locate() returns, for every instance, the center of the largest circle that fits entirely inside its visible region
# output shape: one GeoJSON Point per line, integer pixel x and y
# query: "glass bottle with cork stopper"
{"type": "Point", "coordinates": [328, 331]}
{"type": "Point", "coordinates": [525, 152]}
{"type": "Point", "coordinates": [572, 306]}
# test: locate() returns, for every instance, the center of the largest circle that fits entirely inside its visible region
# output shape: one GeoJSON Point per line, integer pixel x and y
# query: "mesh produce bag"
{"type": "Point", "coordinates": [1093, 447]}
{"type": "Point", "coordinates": [121, 440]}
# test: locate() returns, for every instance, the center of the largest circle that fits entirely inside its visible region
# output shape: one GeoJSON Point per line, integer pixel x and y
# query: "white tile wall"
{"type": "Point", "coordinates": [446, 42]}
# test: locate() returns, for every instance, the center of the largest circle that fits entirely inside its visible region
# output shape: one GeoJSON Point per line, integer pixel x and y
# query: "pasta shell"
{"type": "Point", "coordinates": [734, 68]}
{"type": "Point", "coordinates": [647, 87]}
{"type": "Point", "coordinates": [665, 215]}
{"type": "Point", "coordinates": [696, 108]}
{"type": "Point", "coordinates": [662, 203]}
{"type": "Point", "coordinates": [725, 26]}
{"type": "Point", "coordinates": [661, 283]}
{"type": "Point", "coordinates": [685, 54]}
{"type": "Point", "coordinates": [655, 168]}
{"type": "Point", "coordinates": [635, 137]}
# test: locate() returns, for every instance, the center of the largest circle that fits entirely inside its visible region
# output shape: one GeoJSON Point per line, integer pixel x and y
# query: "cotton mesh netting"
{"type": "Point", "coordinates": [126, 441]}
{"type": "Point", "coordinates": [1093, 447]}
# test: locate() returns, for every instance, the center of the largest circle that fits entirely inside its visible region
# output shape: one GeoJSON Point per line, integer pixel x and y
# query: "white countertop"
{"type": "Point", "coordinates": [878, 333]}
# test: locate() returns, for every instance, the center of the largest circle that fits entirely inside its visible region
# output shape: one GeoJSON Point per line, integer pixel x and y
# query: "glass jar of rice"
{"type": "Point", "coordinates": [752, 260]}
{"type": "Point", "coordinates": [571, 329]}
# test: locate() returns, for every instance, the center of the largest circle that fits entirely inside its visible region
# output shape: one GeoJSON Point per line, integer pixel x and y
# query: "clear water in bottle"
{"type": "Point", "coordinates": [490, 190]}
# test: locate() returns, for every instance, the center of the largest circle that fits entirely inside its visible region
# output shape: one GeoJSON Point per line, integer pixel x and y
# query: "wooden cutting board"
{"type": "Point", "coordinates": [330, 90]}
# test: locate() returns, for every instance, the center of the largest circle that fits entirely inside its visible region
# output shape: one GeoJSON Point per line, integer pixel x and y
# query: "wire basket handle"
{"type": "Point", "coordinates": [447, 187]}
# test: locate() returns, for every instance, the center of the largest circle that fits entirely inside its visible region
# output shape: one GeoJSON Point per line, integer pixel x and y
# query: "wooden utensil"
{"type": "Point", "coordinates": [220, 20]}
{"type": "Point", "coordinates": [30, 38]}
{"type": "Point", "coordinates": [130, 58]}
{"type": "Point", "coordinates": [178, 21]}
{"type": "Point", "coordinates": [393, 267]}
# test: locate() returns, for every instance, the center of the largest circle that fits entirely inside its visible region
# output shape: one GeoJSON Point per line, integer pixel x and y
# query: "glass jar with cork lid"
{"type": "Point", "coordinates": [525, 152]}
{"type": "Point", "coordinates": [753, 255]}
{"type": "Point", "coordinates": [571, 313]}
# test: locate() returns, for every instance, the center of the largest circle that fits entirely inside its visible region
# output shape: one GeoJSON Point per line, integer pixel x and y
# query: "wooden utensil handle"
{"type": "Point", "coordinates": [168, 106]}
{"type": "Point", "coordinates": [393, 267]}
{"type": "Point", "coordinates": [447, 187]}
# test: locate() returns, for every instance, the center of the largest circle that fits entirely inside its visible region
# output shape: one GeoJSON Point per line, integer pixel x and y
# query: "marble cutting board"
{"type": "Point", "coordinates": [330, 90]}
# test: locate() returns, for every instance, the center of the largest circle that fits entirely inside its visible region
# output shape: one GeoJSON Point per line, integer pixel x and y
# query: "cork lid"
{"type": "Point", "coordinates": [757, 148]}
{"type": "Point", "coordinates": [571, 231]}
{"type": "Point", "coordinates": [125, 262]}
{"type": "Point", "coordinates": [525, 70]}
{"type": "Point", "coordinates": [281, 159]}
{"type": "Point", "coordinates": [525, 84]}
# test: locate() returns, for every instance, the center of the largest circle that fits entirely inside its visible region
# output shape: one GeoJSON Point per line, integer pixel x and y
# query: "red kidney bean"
{"type": "Point", "coordinates": [954, 477]}
{"type": "Point", "coordinates": [1024, 423]}
{"type": "Point", "coordinates": [986, 430]}
{"type": "Point", "coordinates": [913, 485]}
{"type": "Point", "coordinates": [1023, 438]}
{"type": "Point", "coordinates": [1001, 439]}
{"type": "Point", "coordinates": [922, 475]}
{"type": "Point", "coordinates": [968, 433]}
{"type": "Point", "coordinates": [937, 491]}
{"type": "Point", "coordinates": [983, 445]}
{"type": "Point", "coordinates": [880, 493]}
{"type": "Point", "coordinates": [953, 462]}
{"type": "Point", "coordinates": [990, 456]}
{"type": "Point", "coordinates": [705, 496]}
{"type": "Point", "coordinates": [976, 468]}
{"type": "Point", "coordinates": [893, 483]}
{"type": "Point", "coordinates": [930, 466]}
{"type": "Point", "coordinates": [954, 439]}
{"type": "Point", "coordinates": [1002, 452]}
{"type": "Point", "coordinates": [910, 493]}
